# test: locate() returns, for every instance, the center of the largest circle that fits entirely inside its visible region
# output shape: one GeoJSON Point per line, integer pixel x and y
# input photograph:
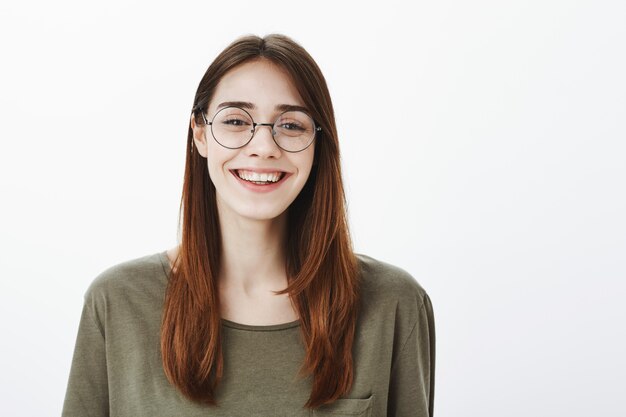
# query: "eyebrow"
{"type": "Point", "coordinates": [250, 106]}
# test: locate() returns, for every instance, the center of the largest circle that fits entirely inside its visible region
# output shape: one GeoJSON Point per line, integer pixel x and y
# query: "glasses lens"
{"type": "Point", "coordinates": [295, 131]}
{"type": "Point", "coordinates": [232, 127]}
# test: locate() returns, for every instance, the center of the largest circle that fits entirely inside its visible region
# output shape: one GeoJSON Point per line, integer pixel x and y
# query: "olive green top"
{"type": "Point", "coordinates": [116, 368]}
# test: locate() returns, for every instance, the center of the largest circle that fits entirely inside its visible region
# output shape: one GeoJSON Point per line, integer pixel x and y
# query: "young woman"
{"type": "Point", "coordinates": [263, 309]}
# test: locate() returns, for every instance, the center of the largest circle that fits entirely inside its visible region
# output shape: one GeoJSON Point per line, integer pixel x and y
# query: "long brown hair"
{"type": "Point", "coordinates": [321, 267]}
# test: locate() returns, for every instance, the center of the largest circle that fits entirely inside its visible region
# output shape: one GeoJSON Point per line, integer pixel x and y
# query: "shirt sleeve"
{"type": "Point", "coordinates": [87, 392]}
{"type": "Point", "coordinates": [412, 383]}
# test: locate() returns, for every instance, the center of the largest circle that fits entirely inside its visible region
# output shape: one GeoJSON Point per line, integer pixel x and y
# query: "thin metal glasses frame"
{"type": "Point", "coordinates": [254, 126]}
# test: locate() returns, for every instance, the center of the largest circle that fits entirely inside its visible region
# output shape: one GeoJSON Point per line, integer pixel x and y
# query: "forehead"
{"type": "Point", "coordinates": [259, 82]}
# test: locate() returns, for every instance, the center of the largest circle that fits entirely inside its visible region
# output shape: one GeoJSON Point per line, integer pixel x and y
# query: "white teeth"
{"type": "Point", "coordinates": [260, 177]}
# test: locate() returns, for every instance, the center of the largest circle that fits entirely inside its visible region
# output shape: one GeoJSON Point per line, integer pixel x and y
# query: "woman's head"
{"type": "Point", "coordinates": [262, 75]}
{"type": "Point", "coordinates": [253, 176]}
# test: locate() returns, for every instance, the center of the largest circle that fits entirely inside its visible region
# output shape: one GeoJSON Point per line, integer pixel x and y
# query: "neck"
{"type": "Point", "coordinates": [253, 255]}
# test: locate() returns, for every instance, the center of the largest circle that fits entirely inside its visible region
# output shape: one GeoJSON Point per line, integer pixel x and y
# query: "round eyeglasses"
{"type": "Point", "coordinates": [233, 128]}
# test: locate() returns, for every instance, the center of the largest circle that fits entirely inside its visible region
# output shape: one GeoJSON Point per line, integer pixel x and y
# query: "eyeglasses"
{"type": "Point", "coordinates": [233, 128]}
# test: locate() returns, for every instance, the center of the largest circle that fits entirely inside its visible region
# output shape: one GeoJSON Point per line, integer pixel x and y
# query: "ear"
{"type": "Point", "coordinates": [199, 137]}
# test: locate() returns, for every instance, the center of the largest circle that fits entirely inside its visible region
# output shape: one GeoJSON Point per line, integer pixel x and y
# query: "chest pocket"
{"type": "Point", "coordinates": [348, 407]}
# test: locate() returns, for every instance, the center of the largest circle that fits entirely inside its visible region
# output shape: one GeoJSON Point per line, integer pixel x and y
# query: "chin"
{"type": "Point", "coordinates": [259, 212]}
{"type": "Point", "coordinates": [263, 218]}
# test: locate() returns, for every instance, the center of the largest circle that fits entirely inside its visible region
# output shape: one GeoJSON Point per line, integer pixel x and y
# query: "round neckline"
{"type": "Point", "coordinates": [260, 328]}
{"type": "Point", "coordinates": [228, 323]}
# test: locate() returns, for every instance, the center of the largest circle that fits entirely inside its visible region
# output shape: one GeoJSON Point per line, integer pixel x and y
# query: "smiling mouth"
{"type": "Point", "coordinates": [259, 178]}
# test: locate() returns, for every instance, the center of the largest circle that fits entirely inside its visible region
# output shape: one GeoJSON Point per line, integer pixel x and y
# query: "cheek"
{"type": "Point", "coordinates": [215, 164]}
{"type": "Point", "coordinates": [305, 163]}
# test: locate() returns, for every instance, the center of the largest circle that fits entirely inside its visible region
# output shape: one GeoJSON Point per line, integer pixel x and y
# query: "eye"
{"type": "Point", "coordinates": [291, 126]}
{"type": "Point", "coordinates": [235, 122]}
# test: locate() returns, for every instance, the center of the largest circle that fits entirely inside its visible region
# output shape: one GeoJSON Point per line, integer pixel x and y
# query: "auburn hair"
{"type": "Point", "coordinates": [322, 270]}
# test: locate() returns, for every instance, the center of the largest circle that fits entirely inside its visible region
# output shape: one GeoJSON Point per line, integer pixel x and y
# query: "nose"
{"type": "Point", "coordinates": [262, 143]}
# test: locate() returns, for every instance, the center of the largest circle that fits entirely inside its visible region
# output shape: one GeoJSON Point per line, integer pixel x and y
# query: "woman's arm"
{"type": "Point", "coordinates": [87, 392]}
{"type": "Point", "coordinates": [412, 383]}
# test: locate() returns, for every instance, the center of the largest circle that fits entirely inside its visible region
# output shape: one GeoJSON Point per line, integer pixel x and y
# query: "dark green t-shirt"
{"type": "Point", "coordinates": [116, 369]}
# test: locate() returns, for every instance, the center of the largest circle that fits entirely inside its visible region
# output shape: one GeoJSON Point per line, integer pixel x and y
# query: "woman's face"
{"type": "Point", "coordinates": [265, 87]}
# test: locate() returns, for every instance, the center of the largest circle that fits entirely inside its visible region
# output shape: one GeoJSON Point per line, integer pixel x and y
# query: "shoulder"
{"type": "Point", "coordinates": [132, 275]}
{"type": "Point", "coordinates": [387, 279]}
{"type": "Point", "coordinates": [391, 292]}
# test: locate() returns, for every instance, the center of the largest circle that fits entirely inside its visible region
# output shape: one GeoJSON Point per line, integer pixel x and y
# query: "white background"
{"type": "Point", "coordinates": [483, 151]}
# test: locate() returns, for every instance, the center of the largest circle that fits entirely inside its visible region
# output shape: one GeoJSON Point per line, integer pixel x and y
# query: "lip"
{"type": "Point", "coordinates": [259, 170]}
{"type": "Point", "coordinates": [260, 188]}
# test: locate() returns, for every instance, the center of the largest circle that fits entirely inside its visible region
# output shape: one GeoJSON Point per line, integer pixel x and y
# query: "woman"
{"type": "Point", "coordinates": [263, 309]}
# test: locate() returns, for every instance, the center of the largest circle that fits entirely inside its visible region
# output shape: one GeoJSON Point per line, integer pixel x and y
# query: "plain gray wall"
{"type": "Point", "coordinates": [483, 152]}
